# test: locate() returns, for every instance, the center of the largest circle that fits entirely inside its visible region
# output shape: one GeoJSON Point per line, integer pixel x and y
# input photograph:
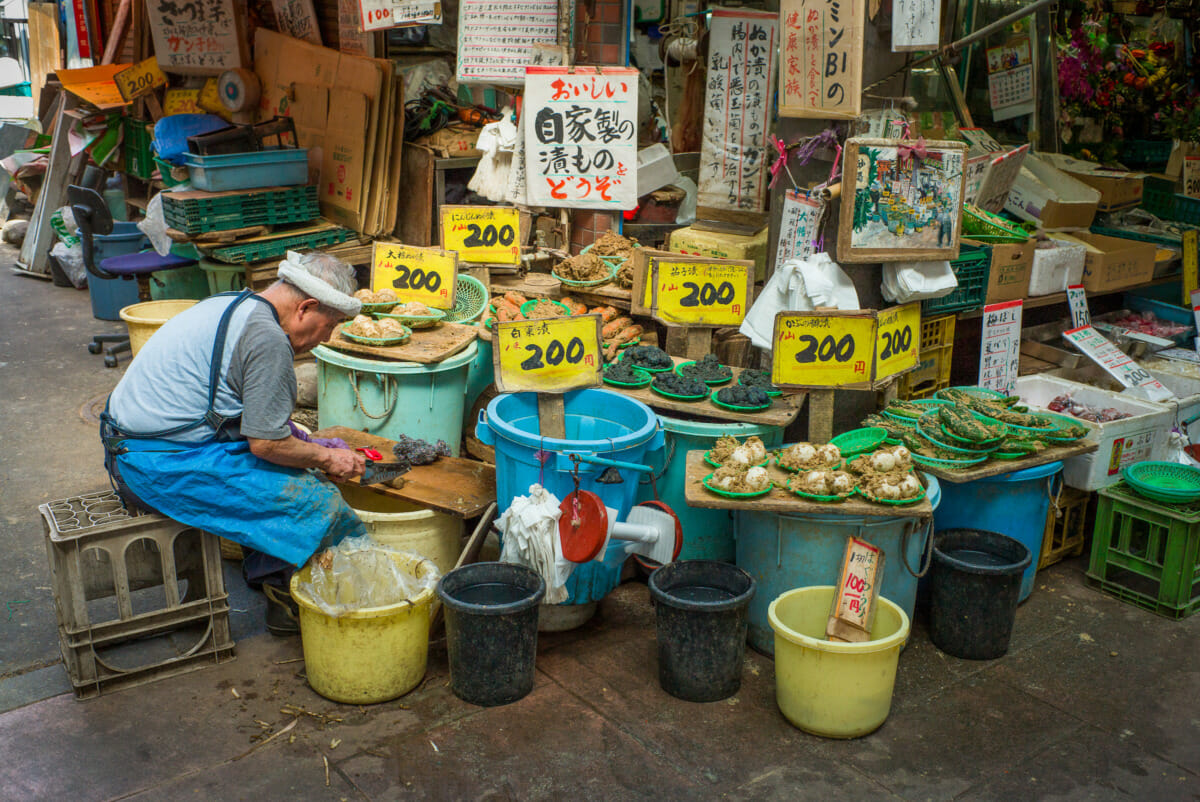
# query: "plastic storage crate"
{"type": "Point", "coordinates": [1147, 553]}
{"type": "Point", "coordinates": [933, 361]}
{"type": "Point", "coordinates": [278, 246]}
{"type": "Point", "coordinates": [120, 579]}
{"type": "Point", "coordinates": [1158, 197]}
{"type": "Point", "coordinates": [195, 213]}
{"type": "Point", "coordinates": [272, 167]}
{"type": "Point", "coordinates": [1066, 526]}
{"type": "Point", "coordinates": [971, 268]}
{"type": "Point", "coordinates": [136, 138]}
{"type": "Point", "coordinates": [1146, 153]}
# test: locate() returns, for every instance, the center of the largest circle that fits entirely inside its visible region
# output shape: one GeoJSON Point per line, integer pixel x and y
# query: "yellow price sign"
{"type": "Point", "coordinates": [143, 77]}
{"type": "Point", "coordinates": [182, 101]}
{"type": "Point", "coordinates": [824, 349]}
{"type": "Point", "coordinates": [692, 293]}
{"type": "Point", "coordinates": [427, 275]}
{"type": "Point", "coordinates": [1190, 279]}
{"type": "Point", "coordinates": [482, 234]}
{"type": "Point", "coordinates": [898, 340]}
{"type": "Point", "coordinates": [548, 356]}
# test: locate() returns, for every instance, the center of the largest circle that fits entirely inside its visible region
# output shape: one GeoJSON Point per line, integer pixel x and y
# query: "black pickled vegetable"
{"type": "Point", "coordinates": [648, 356]}
{"type": "Point", "coordinates": [708, 369]}
{"type": "Point", "coordinates": [757, 378]}
{"type": "Point", "coordinates": [623, 372]}
{"type": "Point", "coordinates": [740, 396]}
{"type": "Point", "coordinates": [677, 385]}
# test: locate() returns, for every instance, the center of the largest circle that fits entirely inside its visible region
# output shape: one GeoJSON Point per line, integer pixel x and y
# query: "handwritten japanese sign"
{"type": "Point", "coordinates": [1000, 346]}
{"type": "Point", "coordinates": [1077, 301]}
{"type": "Point", "coordinates": [1116, 363]}
{"type": "Point", "coordinates": [1191, 176]}
{"type": "Point", "coordinates": [821, 73]}
{"type": "Point", "coordinates": [581, 137]}
{"type": "Point", "coordinates": [496, 38]}
{"type": "Point", "coordinates": [897, 340]}
{"type": "Point", "coordinates": [482, 234]}
{"type": "Point", "coordinates": [1191, 258]}
{"type": "Point", "coordinates": [197, 37]}
{"type": "Point", "coordinates": [298, 19]}
{"type": "Point", "coordinates": [823, 349]}
{"type": "Point", "coordinates": [916, 24]}
{"type": "Point", "coordinates": [700, 294]}
{"type": "Point", "coordinates": [182, 101]}
{"type": "Point", "coordinates": [998, 182]}
{"type": "Point", "coordinates": [854, 602]}
{"type": "Point", "coordinates": [139, 79]}
{"type": "Point", "coordinates": [797, 226]}
{"type": "Point", "coordinates": [427, 275]}
{"type": "Point", "coordinates": [377, 15]}
{"type": "Point", "coordinates": [548, 356]}
{"type": "Point", "coordinates": [351, 39]}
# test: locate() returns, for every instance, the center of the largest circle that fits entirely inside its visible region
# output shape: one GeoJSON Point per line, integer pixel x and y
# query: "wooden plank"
{"type": "Point", "coordinates": [780, 499]}
{"type": "Point", "coordinates": [116, 35]}
{"type": "Point", "coordinates": [45, 57]}
{"type": "Point", "coordinates": [452, 485]}
{"type": "Point", "coordinates": [61, 171]}
{"type": "Point", "coordinates": [820, 415]}
{"type": "Point", "coordinates": [998, 467]}
{"type": "Point", "coordinates": [783, 410]}
{"type": "Point", "coordinates": [426, 346]}
{"type": "Point", "coordinates": [552, 416]}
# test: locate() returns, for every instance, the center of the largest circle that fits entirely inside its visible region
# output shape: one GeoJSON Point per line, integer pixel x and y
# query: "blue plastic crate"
{"type": "Point", "coordinates": [278, 167]}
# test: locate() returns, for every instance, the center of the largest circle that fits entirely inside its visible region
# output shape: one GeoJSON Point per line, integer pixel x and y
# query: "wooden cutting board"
{"type": "Point", "coordinates": [426, 346]}
{"type": "Point", "coordinates": [452, 485]}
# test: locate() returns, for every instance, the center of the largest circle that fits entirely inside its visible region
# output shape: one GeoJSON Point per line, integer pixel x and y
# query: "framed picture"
{"type": "Point", "coordinates": [901, 200]}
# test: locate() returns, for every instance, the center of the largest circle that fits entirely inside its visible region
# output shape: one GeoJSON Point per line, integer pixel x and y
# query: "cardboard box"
{"type": "Point", "coordinates": [1113, 263]}
{"type": "Point", "coordinates": [453, 142]}
{"type": "Point", "coordinates": [1008, 278]}
{"type": "Point", "coordinates": [722, 246]}
{"type": "Point", "coordinates": [1118, 189]}
{"type": "Point", "coordinates": [1046, 195]}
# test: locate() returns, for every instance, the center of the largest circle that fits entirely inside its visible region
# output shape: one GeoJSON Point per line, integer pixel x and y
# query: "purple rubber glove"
{"type": "Point", "coordinates": [327, 442]}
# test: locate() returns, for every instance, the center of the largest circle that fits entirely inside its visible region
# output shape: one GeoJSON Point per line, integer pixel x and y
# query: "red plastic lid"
{"type": "Point", "coordinates": [582, 531]}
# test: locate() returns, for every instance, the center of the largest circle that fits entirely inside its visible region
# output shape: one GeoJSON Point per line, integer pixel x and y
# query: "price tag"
{"type": "Point", "coordinates": [1077, 300]}
{"type": "Point", "coordinates": [548, 356]}
{"type": "Point", "coordinates": [1191, 254]}
{"type": "Point", "coordinates": [427, 275]}
{"type": "Point", "coordinates": [1000, 347]}
{"type": "Point", "coordinates": [700, 293]}
{"type": "Point", "coordinates": [899, 340]}
{"type": "Point", "coordinates": [1117, 364]}
{"type": "Point", "coordinates": [824, 349]}
{"type": "Point", "coordinates": [143, 77]}
{"type": "Point", "coordinates": [482, 234]}
{"type": "Point", "coordinates": [182, 101]}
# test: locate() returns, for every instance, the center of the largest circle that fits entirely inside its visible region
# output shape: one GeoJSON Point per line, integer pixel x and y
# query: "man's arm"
{"type": "Point", "coordinates": [293, 453]}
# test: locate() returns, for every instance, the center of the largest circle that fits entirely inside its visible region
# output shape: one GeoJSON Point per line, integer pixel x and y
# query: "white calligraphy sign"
{"type": "Point", "coordinates": [820, 74]}
{"type": "Point", "coordinates": [916, 24]}
{"type": "Point", "coordinates": [497, 39]}
{"type": "Point", "coordinates": [203, 37]}
{"type": "Point", "coordinates": [1000, 347]}
{"type": "Point", "coordinates": [797, 227]}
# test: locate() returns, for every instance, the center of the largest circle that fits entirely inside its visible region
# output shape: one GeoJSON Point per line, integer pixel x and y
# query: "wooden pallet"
{"type": "Point", "coordinates": [426, 346]}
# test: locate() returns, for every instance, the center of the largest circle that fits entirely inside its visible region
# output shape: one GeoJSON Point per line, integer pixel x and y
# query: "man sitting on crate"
{"type": "Point", "coordinates": [198, 429]}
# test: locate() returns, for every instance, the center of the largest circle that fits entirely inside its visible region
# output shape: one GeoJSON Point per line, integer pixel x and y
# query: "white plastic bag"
{"type": "Point", "coordinates": [360, 573]}
{"type": "Point", "coordinates": [155, 226]}
{"type": "Point", "coordinates": [798, 285]}
{"type": "Point", "coordinates": [530, 529]}
{"type": "Point", "coordinates": [914, 281]}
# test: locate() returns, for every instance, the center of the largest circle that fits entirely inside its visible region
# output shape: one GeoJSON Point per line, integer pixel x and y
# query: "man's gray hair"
{"type": "Point", "coordinates": [327, 269]}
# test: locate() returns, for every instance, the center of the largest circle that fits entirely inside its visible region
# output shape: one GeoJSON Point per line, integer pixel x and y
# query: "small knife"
{"type": "Point", "coordinates": [380, 472]}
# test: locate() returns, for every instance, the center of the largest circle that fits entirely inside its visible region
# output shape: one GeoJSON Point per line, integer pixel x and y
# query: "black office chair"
{"type": "Point", "coordinates": [93, 218]}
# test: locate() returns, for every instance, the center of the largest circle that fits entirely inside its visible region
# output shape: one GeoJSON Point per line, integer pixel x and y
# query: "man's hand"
{"type": "Point", "coordinates": [343, 465]}
{"type": "Point", "coordinates": [291, 452]}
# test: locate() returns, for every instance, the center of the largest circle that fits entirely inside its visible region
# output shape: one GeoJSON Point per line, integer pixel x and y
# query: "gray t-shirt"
{"type": "Point", "coordinates": [167, 384]}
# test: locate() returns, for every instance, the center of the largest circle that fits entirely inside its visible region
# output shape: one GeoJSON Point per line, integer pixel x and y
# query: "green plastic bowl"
{"type": "Point", "coordinates": [527, 307]}
{"type": "Point", "coordinates": [891, 502]}
{"type": "Point", "coordinates": [710, 382]}
{"type": "Point", "coordinates": [417, 321]}
{"type": "Point", "coordinates": [947, 464]}
{"type": "Point", "coordinates": [978, 392]}
{"type": "Point", "coordinates": [1168, 482]}
{"type": "Point", "coordinates": [377, 341]}
{"type": "Point", "coordinates": [733, 408]}
{"type": "Point", "coordinates": [675, 397]}
{"type": "Point", "coordinates": [859, 441]}
{"type": "Point", "coordinates": [728, 494]}
{"type": "Point", "coordinates": [640, 383]}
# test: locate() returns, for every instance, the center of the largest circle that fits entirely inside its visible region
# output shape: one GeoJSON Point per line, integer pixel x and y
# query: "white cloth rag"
{"type": "Point", "coordinates": [912, 281]}
{"type": "Point", "coordinates": [530, 529]}
{"type": "Point", "coordinates": [497, 140]}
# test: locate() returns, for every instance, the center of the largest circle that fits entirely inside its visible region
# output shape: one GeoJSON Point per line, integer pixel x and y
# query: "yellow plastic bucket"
{"type": "Point", "coordinates": [145, 318]}
{"type": "Point", "coordinates": [370, 655]}
{"type": "Point", "coordinates": [836, 690]}
{"type": "Point", "coordinates": [407, 527]}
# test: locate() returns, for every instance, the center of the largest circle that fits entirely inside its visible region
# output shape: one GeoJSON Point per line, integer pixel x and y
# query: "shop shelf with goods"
{"type": "Point", "coordinates": [934, 360]}
{"type": "Point", "coordinates": [1147, 553]}
{"type": "Point", "coordinates": [1066, 526]}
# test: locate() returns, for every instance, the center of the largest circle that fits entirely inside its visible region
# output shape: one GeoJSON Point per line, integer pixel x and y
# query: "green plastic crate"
{"type": "Point", "coordinates": [272, 207]}
{"type": "Point", "coordinates": [1166, 240]}
{"type": "Point", "coordinates": [1144, 154]}
{"type": "Point", "coordinates": [279, 246]}
{"type": "Point", "coordinates": [136, 139]}
{"type": "Point", "coordinates": [971, 268]}
{"type": "Point", "coordinates": [1158, 197]}
{"type": "Point", "coordinates": [1147, 553]}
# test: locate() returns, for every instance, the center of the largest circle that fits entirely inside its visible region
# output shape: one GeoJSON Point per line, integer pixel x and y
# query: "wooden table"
{"type": "Point", "coordinates": [783, 410]}
{"type": "Point", "coordinates": [780, 499]}
{"type": "Point", "coordinates": [998, 467]}
{"type": "Point", "coordinates": [424, 346]}
{"type": "Point", "coordinates": [452, 485]}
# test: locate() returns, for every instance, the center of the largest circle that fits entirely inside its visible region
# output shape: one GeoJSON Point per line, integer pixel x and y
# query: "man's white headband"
{"type": "Point", "coordinates": [291, 271]}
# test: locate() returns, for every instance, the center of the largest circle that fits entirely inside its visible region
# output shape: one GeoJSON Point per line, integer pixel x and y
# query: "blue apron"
{"type": "Point", "coordinates": [221, 487]}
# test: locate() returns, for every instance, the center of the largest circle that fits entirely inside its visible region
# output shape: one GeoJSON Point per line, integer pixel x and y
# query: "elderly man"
{"type": "Point", "coordinates": [198, 429]}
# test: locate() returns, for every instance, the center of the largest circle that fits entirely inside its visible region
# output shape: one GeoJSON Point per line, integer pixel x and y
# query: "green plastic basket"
{"type": "Point", "coordinates": [675, 397]}
{"type": "Point", "coordinates": [375, 309]}
{"type": "Point", "coordinates": [983, 444]}
{"type": "Point", "coordinates": [470, 299]}
{"type": "Point", "coordinates": [858, 441]}
{"type": "Point", "coordinates": [648, 370]}
{"type": "Point", "coordinates": [378, 341]}
{"type": "Point", "coordinates": [979, 223]}
{"type": "Point", "coordinates": [772, 393]}
{"type": "Point", "coordinates": [947, 464]}
{"type": "Point", "coordinates": [923, 431]}
{"type": "Point", "coordinates": [136, 140]}
{"type": "Point", "coordinates": [612, 274]}
{"type": "Point", "coordinates": [891, 502]}
{"type": "Point", "coordinates": [734, 408]}
{"type": "Point", "coordinates": [716, 464]}
{"type": "Point", "coordinates": [920, 402]}
{"type": "Point", "coordinates": [416, 321]}
{"type": "Point", "coordinates": [900, 419]}
{"type": "Point", "coordinates": [728, 494]}
{"type": "Point", "coordinates": [642, 383]}
{"type": "Point", "coordinates": [1168, 482]}
{"type": "Point", "coordinates": [1064, 421]}
{"type": "Point", "coordinates": [978, 392]}
{"type": "Point", "coordinates": [257, 207]}
{"type": "Point", "coordinates": [528, 306]}
{"type": "Point", "coordinates": [277, 247]}
{"type": "Point", "coordinates": [971, 269]}
{"type": "Point", "coordinates": [711, 383]}
{"type": "Point", "coordinates": [821, 499]}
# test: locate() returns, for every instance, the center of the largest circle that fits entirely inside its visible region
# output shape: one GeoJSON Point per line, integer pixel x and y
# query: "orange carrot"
{"type": "Point", "coordinates": [612, 328]}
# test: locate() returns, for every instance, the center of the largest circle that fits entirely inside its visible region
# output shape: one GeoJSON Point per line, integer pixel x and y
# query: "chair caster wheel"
{"type": "Point", "coordinates": [94, 348]}
{"type": "Point", "coordinates": [110, 361]}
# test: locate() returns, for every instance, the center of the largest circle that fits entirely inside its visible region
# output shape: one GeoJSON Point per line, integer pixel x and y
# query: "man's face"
{"type": "Point", "coordinates": [310, 326]}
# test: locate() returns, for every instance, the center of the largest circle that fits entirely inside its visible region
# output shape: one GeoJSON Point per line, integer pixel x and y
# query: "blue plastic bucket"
{"type": "Point", "coordinates": [707, 534]}
{"type": "Point", "coordinates": [1013, 504]}
{"type": "Point", "coordinates": [393, 398]}
{"type": "Point", "coordinates": [598, 423]}
{"type": "Point", "coordinates": [783, 551]}
{"type": "Point", "coordinates": [109, 296]}
{"type": "Point", "coordinates": [480, 373]}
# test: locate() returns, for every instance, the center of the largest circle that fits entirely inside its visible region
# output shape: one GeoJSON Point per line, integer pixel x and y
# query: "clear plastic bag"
{"type": "Point", "coordinates": [70, 259]}
{"type": "Point", "coordinates": [360, 573]}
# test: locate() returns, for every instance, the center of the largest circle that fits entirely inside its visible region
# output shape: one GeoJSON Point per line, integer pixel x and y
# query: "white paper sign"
{"type": "Point", "coordinates": [378, 15]}
{"type": "Point", "coordinates": [197, 38]}
{"type": "Point", "coordinates": [581, 137]}
{"type": "Point", "coordinates": [496, 38]}
{"type": "Point", "coordinates": [999, 180]}
{"type": "Point", "coordinates": [737, 107]}
{"type": "Point", "coordinates": [797, 226]}
{"type": "Point", "coordinates": [977, 169]}
{"type": "Point", "coordinates": [1191, 176]}
{"type": "Point", "coordinates": [1196, 318]}
{"type": "Point", "coordinates": [1077, 300]}
{"type": "Point", "coordinates": [1117, 364]}
{"type": "Point", "coordinates": [915, 24]}
{"type": "Point", "coordinates": [1000, 347]}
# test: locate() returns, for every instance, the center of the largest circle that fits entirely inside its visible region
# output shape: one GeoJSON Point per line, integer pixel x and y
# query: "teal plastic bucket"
{"type": "Point", "coordinates": [1013, 504]}
{"type": "Point", "coordinates": [393, 398]}
{"type": "Point", "coordinates": [222, 277]}
{"type": "Point", "coordinates": [784, 551]}
{"type": "Point", "coordinates": [110, 295]}
{"type": "Point", "coordinates": [180, 284]}
{"type": "Point", "coordinates": [480, 374]}
{"type": "Point", "coordinates": [707, 534]}
{"type": "Point", "coordinates": [598, 423]}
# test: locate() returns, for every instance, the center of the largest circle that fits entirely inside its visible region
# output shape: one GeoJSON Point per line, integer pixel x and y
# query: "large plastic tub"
{"type": "Point", "coordinates": [836, 690]}
{"type": "Point", "coordinates": [598, 423]}
{"type": "Point", "coordinates": [178, 284]}
{"type": "Point", "coordinates": [393, 398]}
{"type": "Point", "coordinates": [110, 295]}
{"type": "Point", "coordinates": [1122, 442]}
{"type": "Point", "coordinates": [407, 527]}
{"type": "Point", "coordinates": [783, 551]}
{"type": "Point", "coordinates": [222, 277]}
{"type": "Point", "coordinates": [707, 534]}
{"type": "Point", "coordinates": [1013, 504]}
{"type": "Point", "coordinates": [1181, 378]}
{"type": "Point", "coordinates": [480, 374]}
{"type": "Point", "coordinates": [145, 318]}
{"type": "Point", "coordinates": [264, 168]}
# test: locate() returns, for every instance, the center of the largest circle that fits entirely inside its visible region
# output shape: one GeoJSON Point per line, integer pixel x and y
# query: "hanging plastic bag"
{"type": "Point", "coordinates": [154, 226]}
{"type": "Point", "coordinates": [530, 529]}
{"type": "Point", "coordinates": [798, 285]}
{"type": "Point", "coordinates": [360, 573]}
{"type": "Point", "coordinates": [913, 281]}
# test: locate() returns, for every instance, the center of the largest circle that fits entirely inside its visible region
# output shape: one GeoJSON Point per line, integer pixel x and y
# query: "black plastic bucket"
{"type": "Point", "coordinates": [491, 630]}
{"type": "Point", "coordinates": [974, 589]}
{"type": "Point", "coordinates": [701, 613]}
